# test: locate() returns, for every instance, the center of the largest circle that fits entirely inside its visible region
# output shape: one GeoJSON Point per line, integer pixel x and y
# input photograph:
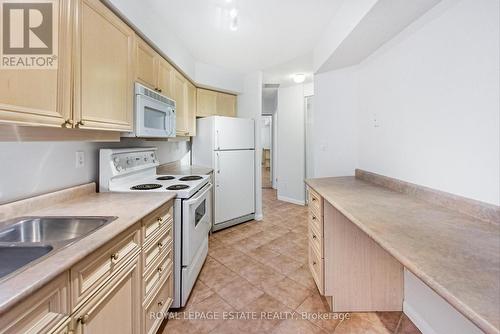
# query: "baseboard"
{"type": "Point", "coordinates": [417, 320]}
{"type": "Point", "coordinates": [291, 200]}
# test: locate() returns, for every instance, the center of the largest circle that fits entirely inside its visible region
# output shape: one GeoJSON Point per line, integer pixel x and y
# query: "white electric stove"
{"type": "Point", "coordinates": [134, 170]}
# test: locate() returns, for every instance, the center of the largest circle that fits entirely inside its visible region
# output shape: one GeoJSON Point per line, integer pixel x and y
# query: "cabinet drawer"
{"type": "Point", "coordinates": [91, 273]}
{"type": "Point", "coordinates": [316, 240]}
{"type": "Point", "coordinates": [159, 270]}
{"type": "Point", "coordinates": [42, 312]}
{"type": "Point", "coordinates": [316, 265]}
{"type": "Point", "coordinates": [315, 222]}
{"type": "Point", "coordinates": [158, 306]}
{"type": "Point", "coordinates": [315, 202]}
{"type": "Point", "coordinates": [153, 222]}
{"type": "Point", "coordinates": [160, 246]}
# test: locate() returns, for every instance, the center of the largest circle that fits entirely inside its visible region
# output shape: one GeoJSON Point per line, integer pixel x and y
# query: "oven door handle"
{"type": "Point", "coordinates": [202, 192]}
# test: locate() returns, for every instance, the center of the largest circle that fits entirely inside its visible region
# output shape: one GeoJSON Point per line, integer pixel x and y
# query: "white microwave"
{"type": "Point", "coordinates": [154, 114]}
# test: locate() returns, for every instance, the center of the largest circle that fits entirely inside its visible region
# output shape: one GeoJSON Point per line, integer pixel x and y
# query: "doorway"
{"type": "Point", "coordinates": [267, 151]}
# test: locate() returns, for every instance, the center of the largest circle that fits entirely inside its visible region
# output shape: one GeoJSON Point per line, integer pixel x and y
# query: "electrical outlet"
{"type": "Point", "coordinates": [80, 159]}
{"type": "Point", "coordinates": [376, 121]}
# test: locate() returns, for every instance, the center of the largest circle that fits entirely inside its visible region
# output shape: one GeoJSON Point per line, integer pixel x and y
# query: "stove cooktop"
{"type": "Point", "coordinates": [147, 186]}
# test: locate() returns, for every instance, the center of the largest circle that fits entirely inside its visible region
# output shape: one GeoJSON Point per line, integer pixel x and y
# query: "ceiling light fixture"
{"type": "Point", "coordinates": [299, 78]}
{"type": "Point", "coordinates": [233, 17]}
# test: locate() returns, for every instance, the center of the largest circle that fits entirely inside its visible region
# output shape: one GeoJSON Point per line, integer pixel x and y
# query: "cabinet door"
{"type": "Point", "coordinates": [104, 75]}
{"type": "Point", "coordinates": [226, 105]}
{"type": "Point", "coordinates": [166, 74]}
{"type": "Point", "coordinates": [40, 96]}
{"type": "Point", "coordinates": [146, 64]}
{"type": "Point", "coordinates": [191, 109]}
{"type": "Point", "coordinates": [180, 97]}
{"type": "Point", "coordinates": [206, 102]}
{"type": "Point", "coordinates": [114, 309]}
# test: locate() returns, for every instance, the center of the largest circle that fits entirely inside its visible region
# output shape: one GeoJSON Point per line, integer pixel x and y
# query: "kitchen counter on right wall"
{"type": "Point", "coordinates": [456, 255]}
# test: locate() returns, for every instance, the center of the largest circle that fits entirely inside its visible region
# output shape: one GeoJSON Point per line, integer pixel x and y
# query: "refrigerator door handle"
{"type": "Point", "coordinates": [217, 139]}
{"type": "Point", "coordinates": [217, 170]}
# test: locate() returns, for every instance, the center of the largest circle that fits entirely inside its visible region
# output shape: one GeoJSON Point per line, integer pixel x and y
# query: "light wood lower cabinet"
{"type": "Point", "coordinates": [110, 290]}
{"type": "Point", "coordinates": [42, 312]}
{"type": "Point", "coordinates": [350, 268]}
{"type": "Point", "coordinates": [116, 308]}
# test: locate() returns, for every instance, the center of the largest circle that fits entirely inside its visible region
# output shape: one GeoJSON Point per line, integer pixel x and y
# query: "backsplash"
{"type": "Point", "coordinates": [33, 168]}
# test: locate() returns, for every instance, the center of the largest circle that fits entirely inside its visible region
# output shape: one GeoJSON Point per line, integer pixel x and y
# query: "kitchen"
{"type": "Point", "coordinates": [382, 212]}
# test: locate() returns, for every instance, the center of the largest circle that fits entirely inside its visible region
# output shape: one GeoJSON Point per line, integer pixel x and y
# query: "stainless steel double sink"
{"type": "Point", "coordinates": [27, 239]}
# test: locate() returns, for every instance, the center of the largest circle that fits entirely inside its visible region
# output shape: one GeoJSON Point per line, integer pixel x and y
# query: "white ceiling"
{"type": "Point", "coordinates": [276, 36]}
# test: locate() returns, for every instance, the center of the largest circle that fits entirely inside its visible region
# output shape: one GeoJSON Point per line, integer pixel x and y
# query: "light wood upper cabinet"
{"type": "Point", "coordinates": [226, 105]}
{"type": "Point", "coordinates": [191, 108]}
{"type": "Point", "coordinates": [211, 103]}
{"type": "Point", "coordinates": [152, 70]}
{"type": "Point", "coordinates": [146, 64]}
{"type": "Point", "coordinates": [180, 96]}
{"type": "Point", "coordinates": [166, 74]}
{"type": "Point", "coordinates": [104, 72]}
{"type": "Point", "coordinates": [41, 97]}
{"type": "Point", "coordinates": [206, 102]}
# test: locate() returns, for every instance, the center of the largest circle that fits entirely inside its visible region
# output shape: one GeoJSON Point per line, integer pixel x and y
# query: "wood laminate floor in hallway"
{"type": "Point", "coordinates": [258, 271]}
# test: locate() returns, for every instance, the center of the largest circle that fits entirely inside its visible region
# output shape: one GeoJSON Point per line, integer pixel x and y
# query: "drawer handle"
{"type": "Point", "coordinates": [313, 218]}
{"type": "Point", "coordinates": [159, 220]}
{"type": "Point", "coordinates": [314, 263]}
{"type": "Point", "coordinates": [115, 256]}
{"type": "Point", "coordinates": [314, 236]}
{"type": "Point", "coordinates": [161, 302]}
{"type": "Point", "coordinates": [314, 199]}
{"type": "Point", "coordinates": [160, 269]}
{"type": "Point", "coordinates": [160, 244]}
{"type": "Point", "coordinates": [83, 319]}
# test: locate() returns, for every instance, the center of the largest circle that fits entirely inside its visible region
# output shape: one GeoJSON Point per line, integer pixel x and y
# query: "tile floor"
{"type": "Point", "coordinates": [256, 280]}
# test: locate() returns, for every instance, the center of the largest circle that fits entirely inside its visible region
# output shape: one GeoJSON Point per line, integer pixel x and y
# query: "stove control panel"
{"type": "Point", "coordinates": [134, 160]}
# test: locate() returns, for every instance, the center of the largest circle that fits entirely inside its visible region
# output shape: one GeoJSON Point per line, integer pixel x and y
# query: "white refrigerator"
{"type": "Point", "coordinates": [227, 144]}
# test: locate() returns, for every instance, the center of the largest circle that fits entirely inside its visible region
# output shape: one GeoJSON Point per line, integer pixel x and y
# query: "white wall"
{"type": "Point", "coordinates": [291, 137]}
{"type": "Point", "coordinates": [32, 168]}
{"type": "Point", "coordinates": [434, 91]}
{"type": "Point", "coordinates": [250, 106]}
{"type": "Point", "coordinates": [335, 126]}
{"type": "Point", "coordinates": [265, 135]}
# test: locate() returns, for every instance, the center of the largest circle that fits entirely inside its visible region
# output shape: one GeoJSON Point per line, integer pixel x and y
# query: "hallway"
{"type": "Point", "coordinates": [260, 270]}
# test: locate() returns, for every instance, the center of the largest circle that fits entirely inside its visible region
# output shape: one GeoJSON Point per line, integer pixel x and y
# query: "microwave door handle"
{"type": "Point", "coordinates": [172, 120]}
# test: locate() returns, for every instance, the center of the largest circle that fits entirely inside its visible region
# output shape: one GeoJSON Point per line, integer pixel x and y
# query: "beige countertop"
{"type": "Point", "coordinates": [83, 201]}
{"type": "Point", "coordinates": [183, 169]}
{"type": "Point", "coordinates": [456, 255]}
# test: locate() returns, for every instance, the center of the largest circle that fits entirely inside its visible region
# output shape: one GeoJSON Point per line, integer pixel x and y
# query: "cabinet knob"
{"type": "Point", "coordinates": [159, 220]}
{"type": "Point", "coordinates": [314, 263]}
{"type": "Point", "coordinates": [160, 269]}
{"type": "Point", "coordinates": [79, 124]}
{"type": "Point", "coordinates": [313, 218]}
{"type": "Point", "coordinates": [115, 256]}
{"type": "Point", "coordinates": [67, 123]}
{"type": "Point", "coordinates": [161, 302]}
{"type": "Point", "coordinates": [83, 319]}
{"type": "Point", "coordinates": [160, 244]}
{"type": "Point", "coordinates": [314, 236]}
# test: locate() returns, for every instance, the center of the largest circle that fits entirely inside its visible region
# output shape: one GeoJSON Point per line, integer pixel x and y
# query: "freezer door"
{"type": "Point", "coordinates": [234, 133]}
{"type": "Point", "coordinates": [234, 184]}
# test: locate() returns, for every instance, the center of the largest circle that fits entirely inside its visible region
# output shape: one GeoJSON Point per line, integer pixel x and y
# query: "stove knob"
{"type": "Point", "coordinates": [129, 161]}
{"type": "Point", "coordinates": [145, 159]}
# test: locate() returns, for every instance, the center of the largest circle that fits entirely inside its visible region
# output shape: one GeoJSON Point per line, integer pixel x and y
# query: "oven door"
{"type": "Point", "coordinates": [153, 118]}
{"type": "Point", "coordinates": [196, 223]}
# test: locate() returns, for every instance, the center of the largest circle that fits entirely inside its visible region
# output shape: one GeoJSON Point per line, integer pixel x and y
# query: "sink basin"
{"type": "Point", "coordinates": [50, 229]}
{"type": "Point", "coordinates": [15, 257]}
{"type": "Point", "coordinates": [28, 239]}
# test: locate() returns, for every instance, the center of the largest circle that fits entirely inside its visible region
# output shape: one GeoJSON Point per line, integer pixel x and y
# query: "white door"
{"type": "Point", "coordinates": [234, 133]}
{"type": "Point", "coordinates": [234, 184]}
